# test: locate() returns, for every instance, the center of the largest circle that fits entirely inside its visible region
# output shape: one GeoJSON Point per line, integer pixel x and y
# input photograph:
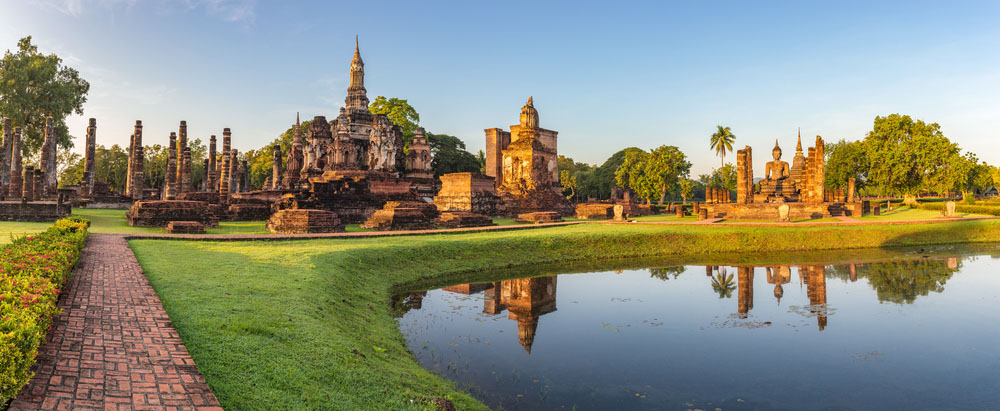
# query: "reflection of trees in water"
{"type": "Point", "coordinates": [665, 273]}
{"type": "Point", "coordinates": [723, 283]}
{"type": "Point", "coordinates": [901, 281]}
{"type": "Point", "coordinates": [403, 303]}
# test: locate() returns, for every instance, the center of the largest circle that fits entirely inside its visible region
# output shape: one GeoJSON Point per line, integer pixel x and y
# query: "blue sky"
{"type": "Point", "coordinates": [605, 75]}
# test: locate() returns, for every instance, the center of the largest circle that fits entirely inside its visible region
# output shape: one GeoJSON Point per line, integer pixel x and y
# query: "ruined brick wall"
{"type": "Point", "coordinates": [496, 141]}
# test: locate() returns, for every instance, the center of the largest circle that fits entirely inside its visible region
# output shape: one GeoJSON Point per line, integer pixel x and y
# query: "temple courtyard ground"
{"type": "Point", "coordinates": [308, 323]}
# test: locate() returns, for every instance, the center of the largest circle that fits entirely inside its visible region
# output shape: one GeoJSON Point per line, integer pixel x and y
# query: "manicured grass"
{"type": "Point", "coordinates": [13, 229]}
{"type": "Point", "coordinates": [907, 213]}
{"type": "Point", "coordinates": [307, 324]}
{"type": "Point", "coordinates": [665, 218]}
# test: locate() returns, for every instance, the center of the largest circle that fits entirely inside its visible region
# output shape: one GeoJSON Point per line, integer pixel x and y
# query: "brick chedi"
{"type": "Point", "coordinates": [293, 165]}
{"type": "Point", "coordinates": [418, 159]}
{"type": "Point", "coordinates": [524, 164]}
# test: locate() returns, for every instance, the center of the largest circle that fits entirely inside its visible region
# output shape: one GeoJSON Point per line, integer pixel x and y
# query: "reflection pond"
{"type": "Point", "coordinates": [918, 331]}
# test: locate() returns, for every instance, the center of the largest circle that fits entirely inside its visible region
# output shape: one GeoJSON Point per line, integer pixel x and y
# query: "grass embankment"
{"type": "Point", "coordinates": [307, 324]}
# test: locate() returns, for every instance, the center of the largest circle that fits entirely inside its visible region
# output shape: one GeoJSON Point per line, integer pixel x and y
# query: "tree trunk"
{"type": "Point", "coordinates": [663, 193]}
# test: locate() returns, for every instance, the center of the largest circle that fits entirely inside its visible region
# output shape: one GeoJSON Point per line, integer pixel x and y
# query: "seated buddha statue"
{"type": "Point", "coordinates": [776, 183]}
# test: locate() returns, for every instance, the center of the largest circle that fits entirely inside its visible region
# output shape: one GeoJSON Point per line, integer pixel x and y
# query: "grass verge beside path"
{"type": "Point", "coordinates": [306, 324]}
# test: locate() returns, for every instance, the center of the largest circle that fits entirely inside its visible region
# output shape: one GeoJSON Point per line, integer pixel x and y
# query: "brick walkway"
{"type": "Point", "coordinates": [113, 347]}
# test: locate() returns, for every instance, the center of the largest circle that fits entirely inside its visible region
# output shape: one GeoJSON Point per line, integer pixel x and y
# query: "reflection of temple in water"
{"type": "Point", "coordinates": [525, 300]}
{"type": "Point", "coordinates": [814, 277]}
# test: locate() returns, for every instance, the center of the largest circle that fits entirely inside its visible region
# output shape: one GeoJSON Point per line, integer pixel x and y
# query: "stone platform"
{"type": "Point", "coordinates": [539, 217]}
{"type": "Point", "coordinates": [185, 227]}
{"type": "Point", "coordinates": [353, 195]}
{"type": "Point", "coordinates": [403, 215]}
{"type": "Point", "coordinates": [461, 219]}
{"type": "Point", "coordinates": [472, 192]}
{"type": "Point", "coordinates": [796, 211]}
{"type": "Point", "coordinates": [595, 211]}
{"type": "Point", "coordinates": [304, 221]}
{"type": "Point", "coordinates": [160, 213]}
{"type": "Point", "coordinates": [41, 211]}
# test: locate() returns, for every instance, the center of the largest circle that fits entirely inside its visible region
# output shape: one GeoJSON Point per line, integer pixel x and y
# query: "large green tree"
{"type": "Point", "coordinates": [400, 112]}
{"type": "Point", "coordinates": [906, 155]}
{"type": "Point", "coordinates": [845, 160]}
{"type": "Point", "coordinates": [722, 141]}
{"type": "Point", "coordinates": [653, 174]}
{"type": "Point", "coordinates": [34, 85]}
{"type": "Point", "coordinates": [110, 166]}
{"type": "Point", "coordinates": [723, 177]}
{"type": "Point", "coordinates": [450, 155]}
{"type": "Point", "coordinates": [603, 178]}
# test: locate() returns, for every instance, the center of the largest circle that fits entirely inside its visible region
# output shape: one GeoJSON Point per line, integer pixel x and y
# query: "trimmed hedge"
{"type": "Point", "coordinates": [965, 208]}
{"type": "Point", "coordinates": [33, 269]}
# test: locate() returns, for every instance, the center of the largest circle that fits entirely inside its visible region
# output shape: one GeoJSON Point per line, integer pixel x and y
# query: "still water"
{"type": "Point", "coordinates": [914, 333]}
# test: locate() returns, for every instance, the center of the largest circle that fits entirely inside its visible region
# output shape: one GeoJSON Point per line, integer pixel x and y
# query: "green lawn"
{"type": "Point", "coordinates": [907, 213]}
{"type": "Point", "coordinates": [307, 324]}
{"type": "Point", "coordinates": [9, 229]}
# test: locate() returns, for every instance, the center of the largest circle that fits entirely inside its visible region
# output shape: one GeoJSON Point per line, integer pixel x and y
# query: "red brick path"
{"type": "Point", "coordinates": [113, 347]}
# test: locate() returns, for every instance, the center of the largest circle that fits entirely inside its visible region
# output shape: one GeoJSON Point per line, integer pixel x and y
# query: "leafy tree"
{"type": "Point", "coordinates": [154, 170]}
{"type": "Point", "coordinates": [568, 182]}
{"type": "Point", "coordinates": [906, 155]}
{"type": "Point", "coordinates": [722, 141]}
{"type": "Point", "coordinates": [69, 166]}
{"type": "Point", "coordinates": [450, 155]}
{"type": "Point", "coordinates": [111, 166]}
{"type": "Point", "coordinates": [400, 112]}
{"type": "Point", "coordinates": [665, 273]}
{"type": "Point", "coordinates": [845, 160]}
{"type": "Point", "coordinates": [653, 174]}
{"type": "Point", "coordinates": [603, 178]}
{"type": "Point", "coordinates": [686, 189]}
{"type": "Point", "coordinates": [33, 86]}
{"type": "Point", "coordinates": [724, 177]}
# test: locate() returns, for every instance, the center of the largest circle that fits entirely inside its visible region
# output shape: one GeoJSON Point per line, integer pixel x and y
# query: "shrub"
{"type": "Point", "coordinates": [33, 269]}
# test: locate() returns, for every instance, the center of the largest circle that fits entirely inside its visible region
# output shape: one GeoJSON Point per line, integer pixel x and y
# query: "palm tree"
{"type": "Point", "coordinates": [722, 141]}
{"type": "Point", "coordinates": [722, 283]}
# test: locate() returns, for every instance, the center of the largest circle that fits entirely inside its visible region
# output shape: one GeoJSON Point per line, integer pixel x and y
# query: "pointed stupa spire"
{"type": "Point", "coordinates": [357, 96]}
{"type": "Point", "coordinates": [798, 147]}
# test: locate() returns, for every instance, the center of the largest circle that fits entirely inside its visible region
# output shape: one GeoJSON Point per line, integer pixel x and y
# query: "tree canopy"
{"type": "Point", "coordinates": [845, 160]}
{"type": "Point", "coordinates": [653, 174]}
{"type": "Point", "coordinates": [33, 86]}
{"type": "Point", "coordinates": [400, 112]}
{"type": "Point", "coordinates": [450, 155]}
{"type": "Point", "coordinates": [722, 141]}
{"type": "Point", "coordinates": [907, 155]}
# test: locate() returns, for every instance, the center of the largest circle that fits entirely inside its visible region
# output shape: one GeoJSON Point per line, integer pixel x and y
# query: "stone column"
{"type": "Point", "coordinates": [5, 156]}
{"type": "Point", "coordinates": [138, 162]}
{"type": "Point", "coordinates": [211, 171]}
{"type": "Point", "coordinates": [87, 184]}
{"type": "Point", "coordinates": [28, 188]}
{"type": "Point", "coordinates": [204, 177]}
{"type": "Point", "coordinates": [244, 177]}
{"type": "Point", "coordinates": [39, 185]}
{"type": "Point", "coordinates": [183, 186]}
{"type": "Point", "coordinates": [128, 173]}
{"type": "Point", "coordinates": [186, 175]}
{"type": "Point", "coordinates": [170, 191]}
{"type": "Point", "coordinates": [224, 178]}
{"type": "Point", "coordinates": [234, 169]}
{"type": "Point", "coordinates": [15, 187]}
{"type": "Point", "coordinates": [48, 162]}
{"type": "Point", "coordinates": [276, 171]}
{"type": "Point", "coordinates": [820, 169]}
{"type": "Point", "coordinates": [744, 286]}
{"type": "Point", "coordinates": [139, 172]}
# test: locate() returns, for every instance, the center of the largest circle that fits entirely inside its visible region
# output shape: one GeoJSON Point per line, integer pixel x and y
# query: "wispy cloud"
{"type": "Point", "coordinates": [235, 11]}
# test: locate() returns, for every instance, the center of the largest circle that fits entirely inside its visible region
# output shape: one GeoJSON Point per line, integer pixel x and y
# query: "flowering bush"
{"type": "Point", "coordinates": [33, 269]}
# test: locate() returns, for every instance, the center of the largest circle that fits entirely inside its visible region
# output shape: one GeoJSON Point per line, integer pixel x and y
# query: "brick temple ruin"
{"type": "Point", "coordinates": [795, 191]}
{"type": "Point", "coordinates": [28, 193]}
{"type": "Point", "coordinates": [522, 174]}
{"type": "Point", "coordinates": [354, 164]}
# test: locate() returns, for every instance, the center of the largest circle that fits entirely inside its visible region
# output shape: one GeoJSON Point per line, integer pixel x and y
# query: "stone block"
{"type": "Point", "coordinates": [162, 212]}
{"type": "Point", "coordinates": [594, 211]}
{"type": "Point", "coordinates": [403, 215]}
{"type": "Point", "coordinates": [783, 213]}
{"type": "Point", "coordinates": [460, 219]}
{"type": "Point", "coordinates": [539, 217]}
{"type": "Point", "coordinates": [185, 227]}
{"type": "Point", "coordinates": [949, 209]}
{"type": "Point", "coordinates": [304, 221]}
{"type": "Point", "coordinates": [703, 214]}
